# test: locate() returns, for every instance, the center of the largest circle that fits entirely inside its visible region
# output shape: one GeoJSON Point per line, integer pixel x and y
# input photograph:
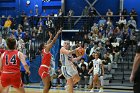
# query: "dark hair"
{"type": "Point", "coordinates": [82, 59]}
{"type": "Point", "coordinates": [41, 46]}
{"type": "Point", "coordinates": [11, 43]}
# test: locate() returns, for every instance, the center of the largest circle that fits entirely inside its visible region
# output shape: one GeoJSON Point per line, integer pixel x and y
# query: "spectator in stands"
{"type": "Point", "coordinates": [70, 19]}
{"type": "Point", "coordinates": [92, 12]}
{"type": "Point", "coordinates": [2, 42]}
{"type": "Point", "coordinates": [60, 18]}
{"type": "Point", "coordinates": [124, 46]}
{"type": "Point", "coordinates": [102, 21]}
{"type": "Point", "coordinates": [95, 26]}
{"type": "Point", "coordinates": [91, 57]}
{"type": "Point", "coordinates": [49, 23]}
{"type": "Point", "coordinates": [93, 49]}
{"type": "Point", "coordinates": [26, 37]}
{"type": "Point", "coordinates": [107, 63]}
{"type": "Point", "coordinates": [24, 75]}
{"type": "Point", "coordinates": [85, 11]}
{"type": "Point", "coordinates": [101, 49]}
{"type": "Point", "coordinates": [108, 46]}
{"type": "Point", "coordinates": [109, 54]}
{"type": "Point", "coordinates": [133, 13]}
{"type": "Point", "coordinates": [83, 73]}
{"type": "Point", "coordinates": [109, 23]}
{"type": "Point", "coordinates": [86, 39]}
{"type": "Point", "coordinates": [101, 31]}
{"type": "Point", "coordinates": [82, 61]}
{"type": "Point", "coordinates": [122, 21]}
{"type": "Point", "coordinates": [109, 13]}
{"type": "Point", "coordinates": [132, 23]}
{"type": "Point", "coordinates": [15, 33]}
{"type": "Point", "coordinates": [8, 23]}
{"type": "Point", "coordinates": [116, 54]}
{"type": "Point", "coordinates": [40, 22]}
{"type": "Point", "coordinates": [21, 33]}
{"type": "Point", "coordinates": [20, 42]}
{"type": "Point", "coordinates": [26, 24]}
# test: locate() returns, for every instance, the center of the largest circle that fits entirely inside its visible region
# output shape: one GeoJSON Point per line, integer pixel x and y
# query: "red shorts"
{"type": "Point", "coordinates": [43, 72]}
{"type": "Point", "coordinates": [11, 79]}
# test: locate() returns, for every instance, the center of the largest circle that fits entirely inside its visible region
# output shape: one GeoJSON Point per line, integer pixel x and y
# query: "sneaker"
{"type": "Point", "coordinates": [92, 90]}
{"type": "Point", "coordinates": [101, 90]}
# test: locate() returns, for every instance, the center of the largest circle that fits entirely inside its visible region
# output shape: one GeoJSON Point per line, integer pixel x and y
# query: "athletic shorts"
{"type": "Point", "coordinates": [97, 72]}
{"type": "Point", "coordinates": [69, 71]}
{"type": "Point", "coordinates": [11, 79]}
{"type": "Point", "coordinates": [44, 72]}
{"type": "Point", "coordinates": [136, 87]}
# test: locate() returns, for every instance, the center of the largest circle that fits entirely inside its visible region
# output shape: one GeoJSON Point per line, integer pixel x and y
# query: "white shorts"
{"type": "Point", "coordinates": [69, 71]}
{"type": "Point", "coordinates": [97, 71]}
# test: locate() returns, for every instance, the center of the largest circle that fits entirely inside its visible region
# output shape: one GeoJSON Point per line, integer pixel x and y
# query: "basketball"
{"type": "Point", "coordinates": [80, 52]}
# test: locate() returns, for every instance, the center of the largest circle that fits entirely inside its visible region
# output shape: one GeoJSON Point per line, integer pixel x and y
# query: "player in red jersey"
{"type": "Point", "coordinates": [10, 67]}
{"type": "Point", "coordinates": [6, 90]}
{"type": "Point", "coordinates": [44, 70]}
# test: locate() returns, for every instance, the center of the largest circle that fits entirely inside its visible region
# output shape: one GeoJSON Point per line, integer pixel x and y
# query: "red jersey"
{"type": "Point", "coordinates": [46, 58]}
{"type": "Point", "coordinates": [10, 61]}
{"type": "Point", "coordinates": [44, 69]}
{"type": "Point", "coordinates": [1, 52]}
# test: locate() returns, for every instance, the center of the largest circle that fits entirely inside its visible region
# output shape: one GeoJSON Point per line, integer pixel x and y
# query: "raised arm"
{"type": "Point", "coordinates": [67, 52]}
{"type": "Point", "coordinates": [49, 46]}
{"type": "Point", "coordinates": [50, 34]}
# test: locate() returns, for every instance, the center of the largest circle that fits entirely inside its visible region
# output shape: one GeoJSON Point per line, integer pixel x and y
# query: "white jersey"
{"type": "Point", "coordinates": [65, 59]}
{"type": "Point", "coordinates": [68, 69]}
{"type": "Point", "coordinates": [97, 66]}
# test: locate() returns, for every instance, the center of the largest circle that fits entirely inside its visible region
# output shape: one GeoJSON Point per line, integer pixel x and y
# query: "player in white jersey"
{"type": "Point", "coordinates": [98, 70]}
{"type": "Point", "coordinates": [68, 69]}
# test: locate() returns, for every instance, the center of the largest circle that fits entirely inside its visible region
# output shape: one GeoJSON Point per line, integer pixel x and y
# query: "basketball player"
{"type": "Point", "coordinates": [6, 90]}
{"type": "Point", "coordinates": [68, 69]}
{"type": "Point", "coordinates": [10, 67]}
{"type": "Point", "coordinates": [98, 70]}
{"type": "Point", "coordinates": [44, 70]}
{"type": "Point", "coordinates": [135, 74]}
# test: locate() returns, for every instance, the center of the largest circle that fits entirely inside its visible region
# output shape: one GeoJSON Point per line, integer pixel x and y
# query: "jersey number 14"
{"type": "Point", "coordinates": [12, 60]}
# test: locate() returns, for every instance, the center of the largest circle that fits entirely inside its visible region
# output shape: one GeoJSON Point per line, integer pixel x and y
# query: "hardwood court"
{"type": "Point", "coordinates": [34, 90]}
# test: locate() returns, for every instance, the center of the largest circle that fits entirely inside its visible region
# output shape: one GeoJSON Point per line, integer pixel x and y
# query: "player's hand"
{"type": "Point", "coordinates": [50, 34]}
{"type": "Point", "coordinates": [60, 31]}
{"type": "Point", "coordinates": [28, 72]}
{"type": "Point", "coordinates": [131, 78]}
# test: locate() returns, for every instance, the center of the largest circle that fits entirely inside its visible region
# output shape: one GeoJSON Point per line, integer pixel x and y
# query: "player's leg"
{"type": "Point", "coordinates": [76, 79]}
{"type": "Point", "coordinates": [46, 82]}
{"type": "Point", "coordinates": [102, 83]}
{"type": "Point", "coordinates": [95, 81]}
{"type": "Point", "coordinates": [4, 90]}
{"type": "Point", "coordinates": [69, 86]}
{"type": "Point", "coordinates": [20, 90]}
